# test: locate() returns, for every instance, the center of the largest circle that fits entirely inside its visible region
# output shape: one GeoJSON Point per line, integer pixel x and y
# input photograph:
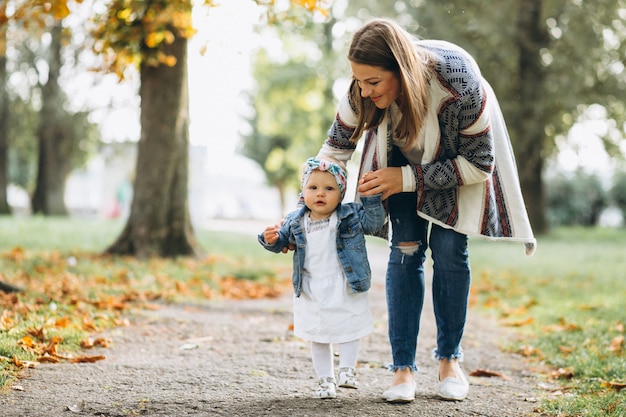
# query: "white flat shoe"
{"type": "Point", "coordinates": [402, 393]}
{"type": "Point", "coordinates": [453, 389]}
{"type": "Point", "coordinates": [327, 388]}
{"type": "Point", "coordinates": [347, 378]}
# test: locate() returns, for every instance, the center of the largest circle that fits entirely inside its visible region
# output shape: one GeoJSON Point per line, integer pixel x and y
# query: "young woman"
{"type": "Point", "coordinates": [436, 147]}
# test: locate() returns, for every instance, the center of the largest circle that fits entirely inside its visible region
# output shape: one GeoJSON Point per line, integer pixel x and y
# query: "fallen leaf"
{"type": "Point", "coordinates": [520, 323]}
{"type": "Point", "coordinates": [529, 351]}
{"type": "Point", "coordinates": [88, 325]}
{"type": "Point", "coordinates": [47, 359]}
{"type": "Point", "coordinates": [7, 320]}
{"type": "Point", "coordinates": [618, 386]}
{"type": "Point", "coordinates": [487, 373]}
{"type": "Point", "coordinates": [566, 349]}
{"type": "Point", "coordinates": [51, 347]}
{"type": "Point", "coordinates": [26, 342]}
{"type": "Point", "coordinates": [62, 322]}
{"type": "Point", "coordinates": [87, 359]}
{"type": "Point", "coordinates": [102, 342]}
{"type": "Point", "coordinates": [617, 344]}
{"type": "Point", "coordinates": [98, 342]}
{"type": "Point", "coordinates": [563, 373]}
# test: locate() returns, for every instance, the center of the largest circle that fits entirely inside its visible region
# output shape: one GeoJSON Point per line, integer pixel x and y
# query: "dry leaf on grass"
{"type": "Point", "coordinates": [520, 323]}
{"type": "Point", "coordinates": [617, 344]}
{"type": "Point", "coordinates": [618, 386]}
{"type": "Point", "coordinates": [563, 373]}
{"type": "Point", "coordinates": [566, 350]}
{"type": "Point", "coordinates": [528, 351]}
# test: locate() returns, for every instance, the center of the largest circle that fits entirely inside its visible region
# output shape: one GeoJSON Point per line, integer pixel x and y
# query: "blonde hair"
{"type": "Point", "coordinates": [383, 43]}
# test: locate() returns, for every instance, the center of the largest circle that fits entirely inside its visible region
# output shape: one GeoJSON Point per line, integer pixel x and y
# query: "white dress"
{"type": "Point", "coordinates": [328, 310]}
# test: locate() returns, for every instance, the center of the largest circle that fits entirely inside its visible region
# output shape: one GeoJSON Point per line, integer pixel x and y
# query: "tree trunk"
{"type": "Point", "coordinates": [529, 123]}
{"type": "Point", "coordinates": [56, 138]}
{"type": "Point", "coordinates": [4, 122]}
{"type": "Point", "coordinates": [6, 287]}
{"type": "Point", "coordinates": [159, 222]}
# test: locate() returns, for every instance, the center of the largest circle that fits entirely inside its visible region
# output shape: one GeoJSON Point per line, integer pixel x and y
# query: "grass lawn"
{"type": "Point", "coordinates": [72, 291]}
{"type": "Point", "coordinates": [567, 301]}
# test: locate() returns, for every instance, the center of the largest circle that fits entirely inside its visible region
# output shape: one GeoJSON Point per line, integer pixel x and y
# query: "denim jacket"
{"type": "Point", "coordinates": [353, 222]}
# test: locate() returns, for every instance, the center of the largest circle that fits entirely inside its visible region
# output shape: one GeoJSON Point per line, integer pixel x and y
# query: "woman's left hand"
{"type": "Point", "coordinates": [387, 181]}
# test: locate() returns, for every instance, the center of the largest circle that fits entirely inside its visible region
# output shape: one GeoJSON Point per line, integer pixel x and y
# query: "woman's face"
{"type": "Point", "coordinates": [381, 86]}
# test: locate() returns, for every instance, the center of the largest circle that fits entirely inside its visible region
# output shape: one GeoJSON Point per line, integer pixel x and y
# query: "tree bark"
{"type": "Point", "coordinates": [530, 120]}
{"type": "Point", "coordinates": [56, 138]}
{"type": "Point", "coordinates": [4, 123]}
{"type": "Point", "coordinates": [6, 287]}
{"type": "Point", "coordinates": [159, 223]}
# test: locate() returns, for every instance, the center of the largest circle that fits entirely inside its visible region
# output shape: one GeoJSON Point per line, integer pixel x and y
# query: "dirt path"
{"type": "Point", "coordinates": [239, 359]}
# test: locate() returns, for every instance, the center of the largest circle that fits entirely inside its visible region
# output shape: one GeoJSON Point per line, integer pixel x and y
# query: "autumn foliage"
{"type": "Point", "coordinates": [70, 300]}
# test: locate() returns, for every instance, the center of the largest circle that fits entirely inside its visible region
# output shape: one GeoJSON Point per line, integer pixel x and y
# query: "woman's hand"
{"type": "Point", "coordinates": [387, 181]}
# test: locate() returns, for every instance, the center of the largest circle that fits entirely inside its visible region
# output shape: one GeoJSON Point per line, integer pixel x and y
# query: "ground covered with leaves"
{"type": "Point", "coordinates": [113, 336]}
{"type": "Point", "coordinates": [239, 358]}
{"type": "Point", "coordinates": [66, 299]}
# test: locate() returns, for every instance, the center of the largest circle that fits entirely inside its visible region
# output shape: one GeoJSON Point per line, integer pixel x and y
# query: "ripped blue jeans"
{"type": "Point", "coordinates": [405, 283]}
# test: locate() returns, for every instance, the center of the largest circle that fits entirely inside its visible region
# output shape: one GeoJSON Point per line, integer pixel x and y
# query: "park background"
{"type": "Point", "coordinates": [263, 80]}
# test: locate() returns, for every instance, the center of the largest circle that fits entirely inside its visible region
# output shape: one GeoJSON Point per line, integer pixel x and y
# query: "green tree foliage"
{"type": "Point", "coordinates": [548, 61]}
{"type": "Point", "coordinates": [293, 104]}
{"type": "Point", "coordinates": [38, 45]}
{"type": "Point", "coordinates": [151, 36]}
{"type": "Point", "coordinates": [576, 200]}
{"type": "Point", "coordinates": [4, 112]}
{"type": "Point", "coordinates": [618, 192]}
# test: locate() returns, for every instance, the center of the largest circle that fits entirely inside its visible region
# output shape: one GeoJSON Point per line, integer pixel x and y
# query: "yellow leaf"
{"type": "Point", "coordinates": [618, 386]}
{"type": "Point", "coordinates": [59, 9]}
{"type": "Point", "coordinates": [520, 323]}
{"type": "Point", "coordinates": [168, 37]}
{"type": "Point", "coordinates": [124, 14]}
{"type": "Point", "coordinates": [153, 39]}
{"type": "Point", "coordinates": [62, 322]}
{"type": "Point", "coordinates": [27, 341]}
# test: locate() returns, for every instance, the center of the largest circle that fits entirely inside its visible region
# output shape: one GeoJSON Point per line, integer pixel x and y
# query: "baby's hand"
{"type": "Point", "coordinates": [270, 234]}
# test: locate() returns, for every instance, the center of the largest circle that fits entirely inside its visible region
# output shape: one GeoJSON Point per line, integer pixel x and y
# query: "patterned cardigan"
{"type": "Point", "coordinates": [467, 177]}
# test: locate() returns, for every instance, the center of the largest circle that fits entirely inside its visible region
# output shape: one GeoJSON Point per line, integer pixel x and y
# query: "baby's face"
{"type": "Point", "coordinates": [321, 194]}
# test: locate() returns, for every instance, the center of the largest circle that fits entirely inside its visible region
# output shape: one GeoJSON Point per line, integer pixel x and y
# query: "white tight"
{"type": "Point", "coordinates": [322, 355]}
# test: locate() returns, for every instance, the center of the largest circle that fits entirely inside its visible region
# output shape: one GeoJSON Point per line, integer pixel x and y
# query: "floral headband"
{"type": "Point", "coordinates": [338, 172]}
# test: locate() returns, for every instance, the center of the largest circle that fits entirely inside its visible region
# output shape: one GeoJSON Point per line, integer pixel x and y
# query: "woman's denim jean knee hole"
{"type": "Point", "coordinates": [408, 250]}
